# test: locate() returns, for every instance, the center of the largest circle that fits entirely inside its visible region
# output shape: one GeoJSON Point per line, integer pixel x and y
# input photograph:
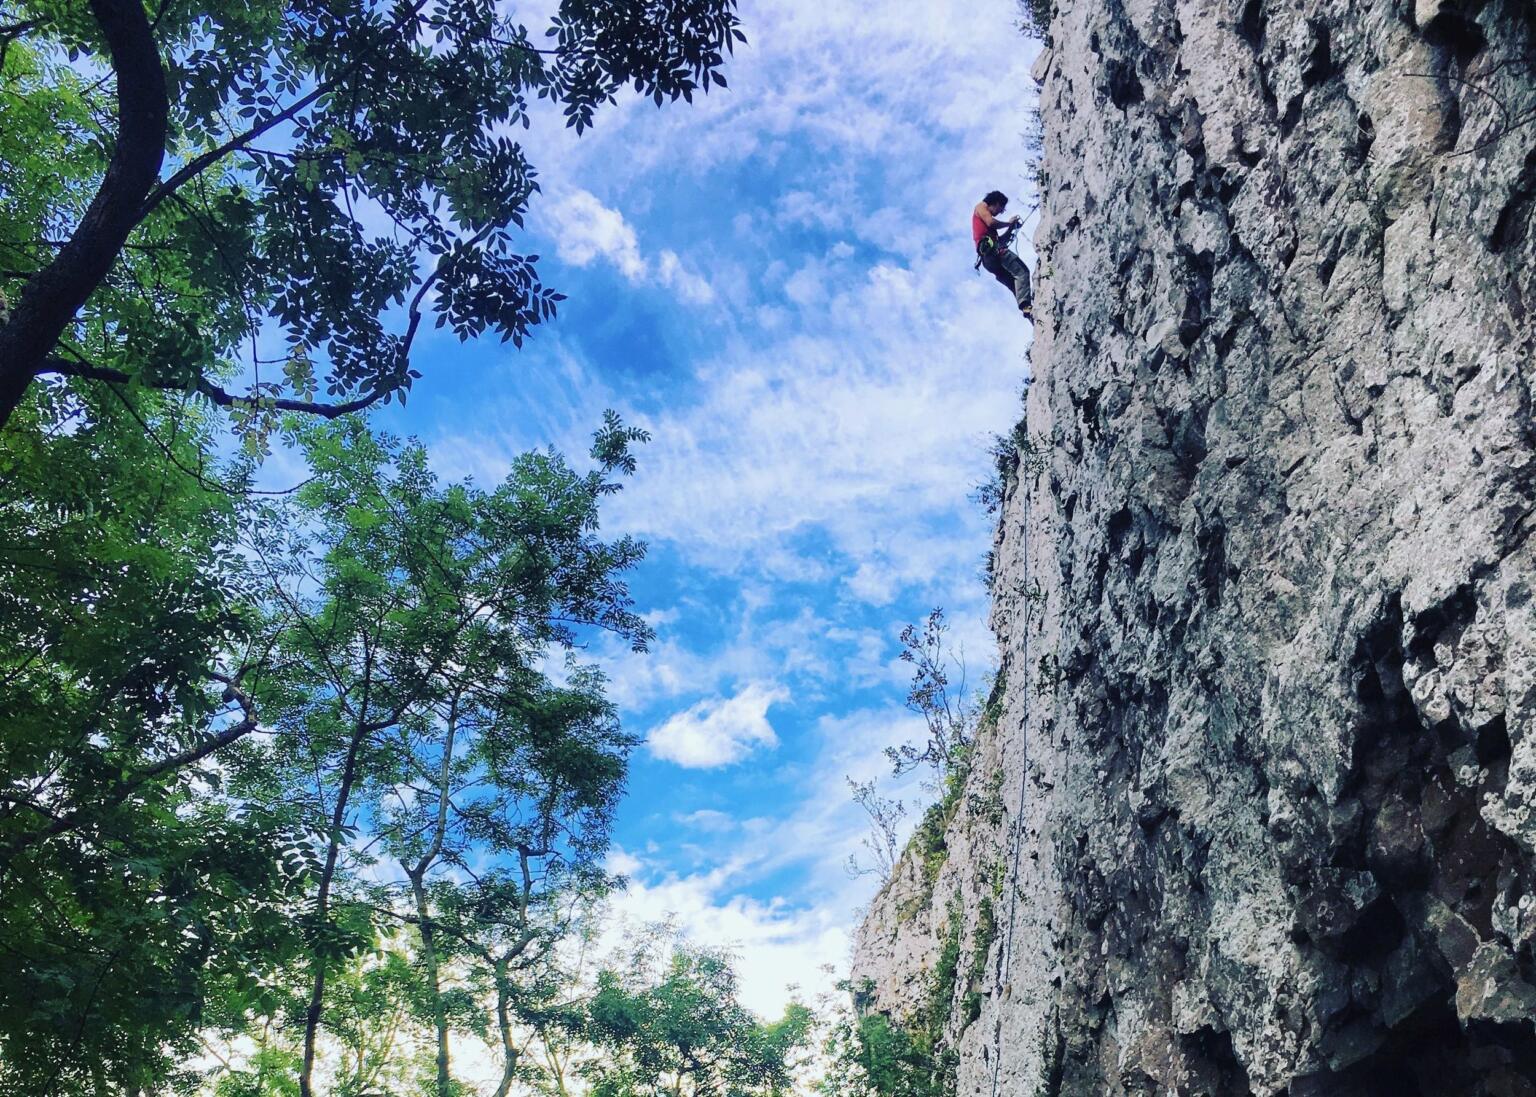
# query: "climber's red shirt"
{"type": "Point", "coordinates": [978, 228]}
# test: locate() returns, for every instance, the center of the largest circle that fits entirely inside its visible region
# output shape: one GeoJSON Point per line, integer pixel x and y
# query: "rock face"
{"type": "Point", "coordinates": [1264, 579]}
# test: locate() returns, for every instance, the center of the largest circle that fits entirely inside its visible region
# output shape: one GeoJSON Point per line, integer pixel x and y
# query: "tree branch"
{"type": "Point", "coordinates": [198, 164]}
{"type": "Point", "coordinates": [53, 364]}
{"type": "Point", "coordinates": [51, 298]}
{"type": "Point", "coordinates": [16, 30]}
{"type": "Point", "coordinates": [126, 787]}
{"type": "Point", "coordinates": [12, 31]}
{"type": "Point", "coordinates": [220, 396]}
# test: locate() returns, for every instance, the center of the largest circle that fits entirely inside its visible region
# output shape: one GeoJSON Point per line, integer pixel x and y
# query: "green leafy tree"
{"type": "Point", "coordinates": [223, 179]}
{"type": "Point", "coordinates": [412, 712]}
{"type": "Point", "coordinates": [868, 1054]}
{"type": "Point", "coordinates": [374, 1036]}
{"type": "Point", "coordinates": [490, 938]}
{"type": "Point", "coordinates": [204, 748]}
{"type": "Point", "coordinates": [128, 883]}
{"type": "Point", "coordinates": [674, 1025]}
{"type": "Point", "coordinates": [372, 1008]}
{"type": "Point", "coordinates": [525, 773]}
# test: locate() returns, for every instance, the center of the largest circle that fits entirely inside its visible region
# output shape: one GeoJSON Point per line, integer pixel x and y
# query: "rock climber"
{"type": "Point", "coordinates": [991, 235]}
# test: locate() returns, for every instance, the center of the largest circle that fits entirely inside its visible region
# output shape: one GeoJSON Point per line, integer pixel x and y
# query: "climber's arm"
{"type": "Point", "coordinates": [994, 223]}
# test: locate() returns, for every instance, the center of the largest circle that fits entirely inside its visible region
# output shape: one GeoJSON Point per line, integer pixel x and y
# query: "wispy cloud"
{"type": "Point", "coordinates": [719, 731]}
{"type": "Point", "coordinates": [587, 232]}
{"type": "Point", "coordinates": [816, 431]}
{"type": "Point", "coordinates": [708, 820]}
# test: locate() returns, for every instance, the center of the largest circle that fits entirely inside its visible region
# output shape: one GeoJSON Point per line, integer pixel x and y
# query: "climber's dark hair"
{"type": "Point", "coordinates": [995, 198]}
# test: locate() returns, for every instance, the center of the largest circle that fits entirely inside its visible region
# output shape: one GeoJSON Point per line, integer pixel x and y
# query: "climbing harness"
{"type": "Point", "coordinates": [990, 243]}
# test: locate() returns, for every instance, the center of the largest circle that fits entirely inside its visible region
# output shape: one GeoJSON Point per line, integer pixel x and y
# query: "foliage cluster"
{"type": "Point", "coordinates": [1016, 457]}
{"type": "Point", "coordinates": [322, 177]}
{"type": "Point", "coordinates": [876, 1055]}
{"type": "Point", "coordinates": [943, 981]}
{"type": "Point", "coordinates": [948, 710]}
{"type": "Point", "coordinates": [1007, 452]}
{"type": "Point", "coordinates": [870, 1054]}
{"type": "Point", "coordinates": [315, 785]}
{"type": "Point", "coordinates": [929, 844]}
{"type": "Point", "coordinates": [300, 790]}
{"type": "Point", "coordinates": [880, 843]}
{"type": "Point", "coordinates": [1035, 18]}
{"type": "Point", "coordinates": [676, 1029]}
{"type": "Point", "coordinates": [981, 947]}
{"type": "Point", "coordinates": [885, 1060]}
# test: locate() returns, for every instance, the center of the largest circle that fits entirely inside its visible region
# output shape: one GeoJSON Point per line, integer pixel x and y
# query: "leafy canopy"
{"type": "Point", "coordinates": [209, 737]}
{"type": "Point", "coordinates": [284, 191]}
{"type": "Point", "coordinates": [673, 1025]}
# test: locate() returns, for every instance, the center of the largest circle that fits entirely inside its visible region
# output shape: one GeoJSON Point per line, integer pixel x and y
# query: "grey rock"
{"type": "Point", "coordinates": [1042, 66]}
{"type": "Point", "coordinates": [1489, 988]}
{"type": "Point", "coordinates": [1424, 11]}
{"type": "Point", "coordinates": [1164, 336]}
{"type": "Point", "coordinates": [1268, 740]}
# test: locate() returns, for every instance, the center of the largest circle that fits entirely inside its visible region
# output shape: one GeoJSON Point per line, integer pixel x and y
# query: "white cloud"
{"type": "Point", "coordinates": [586, 231]}
{"type": "Point", "coordinates": [719, 731]}
{"type": "Point", "coordinates": [671, 273]}
{"type": "Point", "coordinates": [707, 820]}
{"type": "Point", "coordinates": [824, 87]}
{"type": "Point", "coordinates": [807, 285]}
{"type": "Point", "coordinates": [784, 941]}
{"type": "Point", "coordinates": [873, 658]}
{"type": "Point", "coordinates": [621, 863]}
{"type": "Point", "coordinates": [875, 582]}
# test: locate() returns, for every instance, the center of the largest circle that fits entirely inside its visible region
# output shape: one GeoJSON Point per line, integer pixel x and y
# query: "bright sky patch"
{"type": "Point", "coordinates": [777, 283]}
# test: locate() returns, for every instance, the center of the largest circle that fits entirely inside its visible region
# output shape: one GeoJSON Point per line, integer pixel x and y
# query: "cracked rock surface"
{"type": "Point", "coordinates": [1264, 578]}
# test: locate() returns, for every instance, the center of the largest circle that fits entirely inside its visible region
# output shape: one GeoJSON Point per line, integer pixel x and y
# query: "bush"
{"type": "Point", "coordinates": [1035, 17]}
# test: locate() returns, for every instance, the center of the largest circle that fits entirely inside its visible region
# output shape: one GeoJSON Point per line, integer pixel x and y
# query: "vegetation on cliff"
{"type": "Point", "coordinates": [875, 1049]}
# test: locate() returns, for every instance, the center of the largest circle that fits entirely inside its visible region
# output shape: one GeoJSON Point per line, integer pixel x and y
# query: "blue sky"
{"type": "Point", "coordinates": [777, 283]}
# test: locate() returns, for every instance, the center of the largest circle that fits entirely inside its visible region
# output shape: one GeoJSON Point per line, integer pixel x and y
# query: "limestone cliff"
{"type": "Point", "coordinates": [1266, 755]}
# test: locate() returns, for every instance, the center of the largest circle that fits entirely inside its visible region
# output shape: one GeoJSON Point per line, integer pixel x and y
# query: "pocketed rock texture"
{"type": "Point", "coordinates": [1264, 583]}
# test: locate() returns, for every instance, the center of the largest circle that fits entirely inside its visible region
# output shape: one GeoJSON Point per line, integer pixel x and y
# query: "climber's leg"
{"type": "Point", "coordinates": [994, 266]}
{"type": "Point", "coordinates": [1018, 278]}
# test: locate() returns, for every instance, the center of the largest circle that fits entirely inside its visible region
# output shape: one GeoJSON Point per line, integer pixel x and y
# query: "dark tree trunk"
{"type": "Point", "coordinates": [51, 297]}
{"type": "Point", "coordinates": [323, 907]}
